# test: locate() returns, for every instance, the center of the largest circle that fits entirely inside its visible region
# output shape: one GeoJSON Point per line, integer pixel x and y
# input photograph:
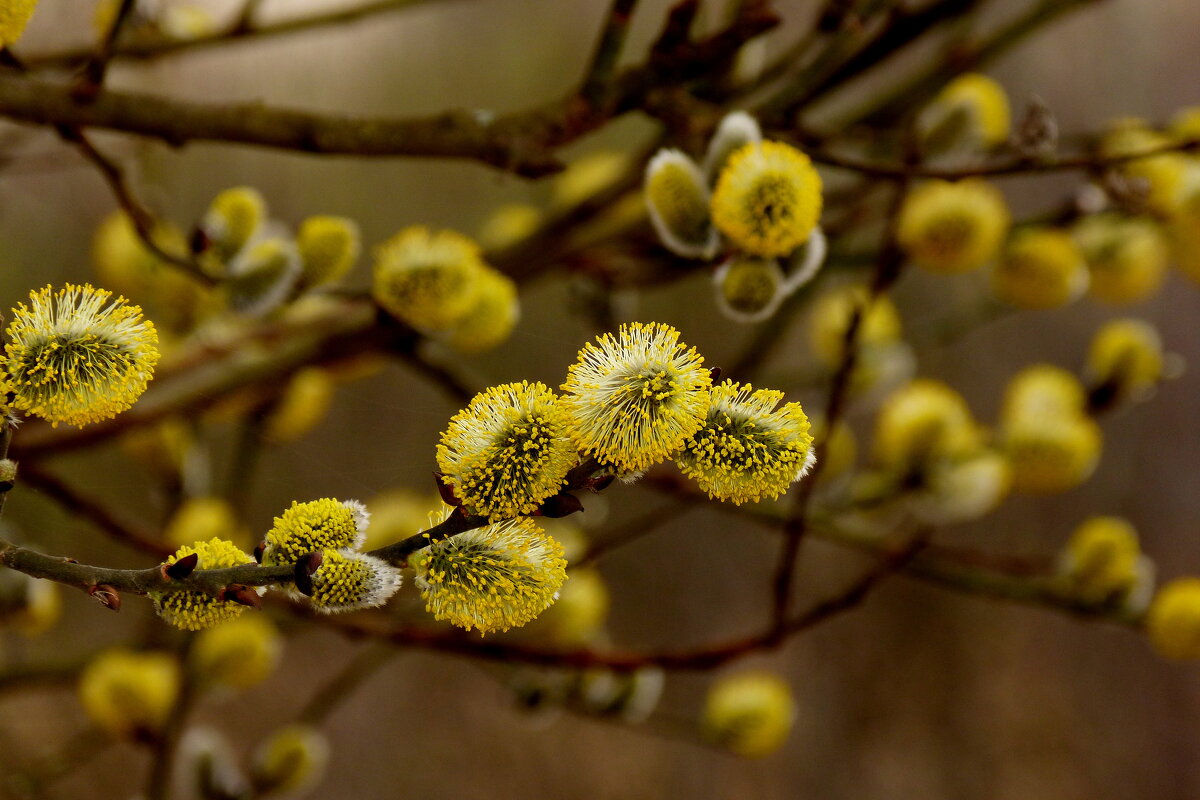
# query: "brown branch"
{"type": "Point", "coordinates": [97, 66]}
{"type": "Point", "coordinates": [60, 492]}
{"type": "Point", "coordinates": [701, 658]}
{"type": "Point", "coordinates": [144, 222]}
{"type": "Point", "coordinates": [522, 142]}
{"type": "Point", "coordinates": [1013, 166]}
{"type": "Point", "coordinates": [146, 47]}
{"type": "Point", "coordinates": [887, 270]}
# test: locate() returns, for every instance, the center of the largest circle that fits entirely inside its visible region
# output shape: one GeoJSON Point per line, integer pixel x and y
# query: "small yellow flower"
{"type": "Point", "coordinates": [751, 713]}
{"type": "Point", "coordinates": [328, 246]}
{"type": "Point", "coordinates": [1126, 354]}
{"type": "Point", "coordinates": [194, 610]}
{"type": "Point", "coordinates": [633, 397]}
{"type": "Point", "coordinates": [289, 761]}
{"type": "Point", "coordinates": [588, 175]}
{"type": "Point", "coordinates": [347, 581]}
{"type": "Point", "coordinates": [1100, 561]}
{"type": "Point", "coordinates": [767, 199]}
{"type": "Point", "coordinates": [491, 319]}
{"type": "Point", "coordinates": [1051, 454]}
{"type": "Point", "coordinates": [1126, 256]}
{"type": "Point", "coordinates": [234, 217]}
{"type": "Point", "coordinates": [749, 289]}
{"type": "Point", "coordinates": [508, 225]}
{"type": "Point", "coordinates": [14, 16]}
{"type": "Point", "coordinates": [262, 276]}
{"type": "Point", "coordinates": [508, 450]}
{"type": "Point", "coordinates": [747, 448]}
{"type": "Point", "coordinates": [314, 526]}
{"type": "Point", "coordinates": [972, 109]}
{"type": "Point", "coordinates": [1164, 175]}
{"type": "Point", "coordinates": [964, 488]}
{"type": "Point", "coordinates": [73, 357]}
{"type": "Point", "coordinates": [678, 203]}
{"type": "Point", "coordinates": [831, 317]}
{"type": "Point", "coordinates": [1041, 268]}
{"type": "Point", "coordinates": [953, 227]}
{"type": "Point", "coordinates": [921, 423]}
{"type": "Point", "coordinates": [303, 406]}
{"type": "Point", "coordinates": [1043, 390]}
{"type": "Point", "coordinates": [1173, 623]}
{"type": "Point", "coordinates": [241, 653]}
{"type": "Point", "coordinates": [127, 693]}
{"type": "Point", "coordinates": [430, 280]}
{"type": "Point", "coordinates": [492, 578]}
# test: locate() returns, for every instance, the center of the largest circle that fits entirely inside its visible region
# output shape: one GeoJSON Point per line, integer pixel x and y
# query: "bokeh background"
{"type": "Point", "coordinates": [920, 693]}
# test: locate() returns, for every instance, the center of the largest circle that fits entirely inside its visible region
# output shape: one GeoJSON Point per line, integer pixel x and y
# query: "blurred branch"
{"type": "Point", "coordinates": [73, 502]}
{"type": "Point", "coordinates": [166, 745]}
{"type": "Point", "coordinates": [144, 222]}
{"type": "Point", "coordinates": [887, 271]}
{"type": "Point", "coordinates": [522, 142]}
{"type": "Point", "coordinates": [1010, 166]}
{"type": "Point", "coordinates": [97, 66]}
{"type": "Point", "coordinates": [885, 107]}
{"type": "Point", "coordinates": [157, 46]}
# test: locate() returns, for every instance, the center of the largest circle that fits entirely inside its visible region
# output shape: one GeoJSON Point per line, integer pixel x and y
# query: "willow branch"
{"type": "Point", "coordinates": [522, 142]}
{"type": "Point", "coordinates": [147, 47]}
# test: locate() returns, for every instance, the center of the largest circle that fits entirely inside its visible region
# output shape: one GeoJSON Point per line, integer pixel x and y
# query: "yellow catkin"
{"type": "Point", "coordinates": [767, 199]}
{"type": "Point", "coordinates": [1127, 257]}
{"type": "Point", "coordinates": [493, 578]}
{"type": "Point", "coordinates": [428, 279]}
{"type": "Point", "coordinates": [953, 227]}
{"type": "Point", "coordinates": [1100, 562]}
{"type": "Point", "coordinates": [14, 16]}
{"type": "Point", "coordinates": [329, 247]}
{"type": "Point", "coordinates": [677, 200]}
{"type": "Point", "coordinates": [923, 422]}
{"type": "Point", "coordinates": [192, 610]}
{"type": "Point", "coordinates": [1040, 268]}
{"type": "Point", "coordinates": [313, 526]}
{"type": "Point", "coordinates": [751, 713]}
{"type": "Point", "coordinates": [508, 450]}
{"type": "Point", "coordinates": [748, 448]}
{"type": "Point", "coordinates": [347, 581]}
{"type": "Point", "coordinates": [1126, 354]}
{"type": "Point", "coordinates": [241, 653]}
{"type": "Point", "coordinates": [1173, 622]}
{"type": "Point", "coordinates": [74, 356]}
{"type": "Point", "coordinates": [127, 693]}
{"type": "Point", "coordinates": [491, 319]}
{"type": "Point", "coordinates": [633, 397]}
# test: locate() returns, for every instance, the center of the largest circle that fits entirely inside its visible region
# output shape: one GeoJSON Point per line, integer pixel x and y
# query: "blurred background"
{"type": "Point", "coordinates": [920, 693]}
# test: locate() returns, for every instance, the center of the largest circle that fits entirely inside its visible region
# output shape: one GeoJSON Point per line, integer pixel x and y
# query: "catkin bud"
{"type": "Point", "coordinates": [767, 200]}
{"type": "Point", "coordinates": [1127, 257]}
{"type": "Point", "coordinates": [1102, 562]}
{"type": "Point", "coordinates": [953, 227]}
{"type": "Point", "coordinates": [751, 713]}
{"type": "Point", "coordinates": [749, 289]}
{"type": "Point", "coordinates": [14, 16]}
{"type": "Point", "coordinates": [127, 693]}
{"type": "Point", "coordinates": [234, 217]}
{"type": "Point", "coordinates": [678, 202]}
{"type": "Point", "coordinates": [328, 248]}
{"type": "Point", "coordinates": [291, 760]}
{"type": "Point", "coordinates": [303, 406]}
{"type": "Point", "coordinates": [428, 279]}
{"type": "Point", "coordinates": [1126, 356]}
{"type": "Point", "coordinates": [1173, 622]}
{"type": "Point", "coordinates": [240, 653]}
{"type": "Point", "coordinates": [970, 112]}
{"type": "Point", "coordinates": [1041, 268]}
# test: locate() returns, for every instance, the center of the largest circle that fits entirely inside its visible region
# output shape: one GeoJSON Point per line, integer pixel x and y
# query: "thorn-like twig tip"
{"type": "Point", "coordinates": [180, 569]}
{"type": "Point", "coordinates": [305, 567]}
{"type": "Point", "coordinates": [106, 596]}
{"type": "Point", "coordinates": [242, 595]}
